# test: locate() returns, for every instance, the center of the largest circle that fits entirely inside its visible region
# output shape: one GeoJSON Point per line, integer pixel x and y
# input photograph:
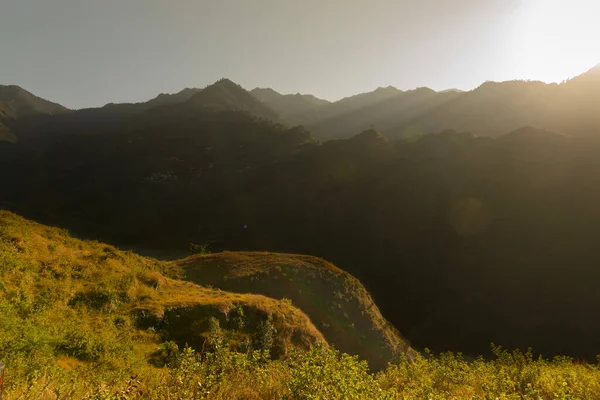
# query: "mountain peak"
{"type": "Point", "coordinates": [388, 89]}
{"type": "Point", "coordinates": [16, 102]}
{"type": "Point", "coordinates": [225, 94]}
{"type": "Point", "coordinates": [226, 82]}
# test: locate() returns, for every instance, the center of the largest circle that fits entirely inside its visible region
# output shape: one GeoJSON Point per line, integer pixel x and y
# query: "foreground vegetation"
{"type": "Point", "coordinates": [83, 320]}
{"type": "Point", "coordinates": [317, 374]}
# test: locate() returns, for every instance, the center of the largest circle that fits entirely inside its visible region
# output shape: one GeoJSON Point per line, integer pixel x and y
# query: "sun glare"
{"type": "Point", "coordinates": [556, 39]}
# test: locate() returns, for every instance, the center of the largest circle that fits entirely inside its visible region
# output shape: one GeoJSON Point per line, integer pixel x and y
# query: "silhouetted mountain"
{"type": "Point", "coordinates": [224, 95]}
{"type": "Point", "coordinates": [452, 90]}
{"type": "Point", "coordinates": [227, 95]}
{"type": "Point", "coordinates": [347, 105]}
{"type": "Point", "coordinates": [176, 98]}
{"type": "Point", "coordinates": [266, 95]}
{"type": "Point", "coordinates": [393, 108]}
{"type": "Point", "coordinates": [16, 102]}
{"type": "Point", "coordinates": [495, 108]}
{"type": "Point", "coordinates": [591, 76]}
{"type": "Point", "coordinates": [289, 106]}
{"type": "Point", "coordinates": [491, 109]}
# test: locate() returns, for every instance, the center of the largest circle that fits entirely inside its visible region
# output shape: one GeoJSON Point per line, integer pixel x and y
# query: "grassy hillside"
{"type": "Point", "coordinates": [336, 302]}
{"type": "Point", "coordinates": [86, 312]}
{"type": "Point", "coordinates": [83, 320]}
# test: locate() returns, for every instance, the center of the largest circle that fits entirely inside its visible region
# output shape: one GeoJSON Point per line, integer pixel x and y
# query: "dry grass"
{"type": "Point", "coordinates": [336, 302]}
{"type": "Point", "coordinates": [68, 305]}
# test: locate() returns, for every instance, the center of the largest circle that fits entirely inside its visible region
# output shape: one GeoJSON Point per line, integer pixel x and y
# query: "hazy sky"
{"type": "Point", "coordinates": [90, 52]}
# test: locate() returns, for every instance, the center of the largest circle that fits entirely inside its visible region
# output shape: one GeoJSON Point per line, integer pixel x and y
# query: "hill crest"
{"type": "Point", "coordinates": [228, 95]}
{"type": "Point", "coordinates": [337, 303]}
{"type": "Point", "coordinates": [16, 102]}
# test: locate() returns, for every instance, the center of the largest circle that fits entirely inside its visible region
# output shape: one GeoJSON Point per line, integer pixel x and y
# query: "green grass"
{"type": "Point", "coordinates": [83, 320]}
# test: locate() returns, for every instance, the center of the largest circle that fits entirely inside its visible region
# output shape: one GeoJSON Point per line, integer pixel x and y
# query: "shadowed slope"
{"type": "Point", "coordinates": [16, 102]}
{"type": "Point", "coordinates": [289, 106]}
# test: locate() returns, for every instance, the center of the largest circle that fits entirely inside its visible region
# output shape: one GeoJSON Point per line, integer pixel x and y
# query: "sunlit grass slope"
{"type": "Point", "coordinates": [83, 320]}
{"type": "Point", "coordinates": [85, 311]}
{"type": "Point", "coordinates": [336, 302]}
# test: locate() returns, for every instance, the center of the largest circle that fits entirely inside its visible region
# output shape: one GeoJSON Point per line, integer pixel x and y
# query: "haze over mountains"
{"type": "Point", "coordinates": [492, 109]}
{"type": "Point", "coordinates": [451, 207]}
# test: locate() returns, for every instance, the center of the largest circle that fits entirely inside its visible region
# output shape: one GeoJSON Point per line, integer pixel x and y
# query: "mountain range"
{"type": "Point", "coordinates": [450, 207]}
{"type": "Point", "coordinates": [492, 109]}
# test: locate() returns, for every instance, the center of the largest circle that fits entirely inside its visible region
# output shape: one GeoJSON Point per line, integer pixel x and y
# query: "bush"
{"type": "Point", "coordinates": [328, 374]}
{"type": "Point", "coordinates": [199, 248]}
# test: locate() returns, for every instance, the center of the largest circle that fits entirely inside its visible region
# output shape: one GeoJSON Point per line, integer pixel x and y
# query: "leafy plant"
{"type": "Point", "coordinates": [200, 248]}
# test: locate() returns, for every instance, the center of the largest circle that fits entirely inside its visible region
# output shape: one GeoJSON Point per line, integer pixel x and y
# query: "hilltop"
{"type": "Point", "coordinates": [227, 95]}
{"type": "Point", "coordinates": [336, 302]}
{"type": "Point", "coordinates": [16, 102]}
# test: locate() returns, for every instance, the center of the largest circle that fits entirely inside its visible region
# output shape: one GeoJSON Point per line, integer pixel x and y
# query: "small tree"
{"type": "Point", "coordinates": [266, 334]}
{"type": "Point", "coordinates": [214, 333]}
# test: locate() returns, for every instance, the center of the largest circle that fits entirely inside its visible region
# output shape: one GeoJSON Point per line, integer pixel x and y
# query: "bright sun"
{"type": "Point", "coordinates": [557, 39]}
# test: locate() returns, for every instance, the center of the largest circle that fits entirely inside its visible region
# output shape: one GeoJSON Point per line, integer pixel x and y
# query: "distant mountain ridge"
{"type": "Point", "coordinates": [289, 106]}
{"type": "Point", "coordinates": [491, 109]}
{"type": "Point", "coordinates": [222, 96]}
{"type": "Point", "coordinates": [495, 108]}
